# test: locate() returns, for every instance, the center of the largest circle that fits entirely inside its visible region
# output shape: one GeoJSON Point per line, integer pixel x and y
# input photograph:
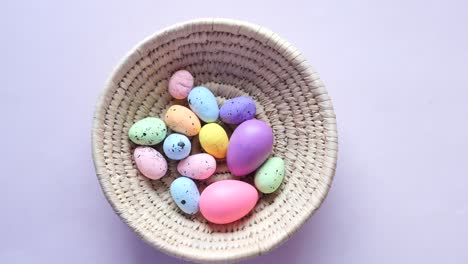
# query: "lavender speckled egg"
{"type": "Point", "coordinates": [177, 146]}
{"type": "Point", "coordinates": [180, 84]}
{"type": "Point", "coordinates": [150, 162]}
{"type": "Point", "coordinates": [249, 146]}
{"type": "Point", "coordinates": [199, 166]}
{"type": "Point", "coordinates": [237, 110]}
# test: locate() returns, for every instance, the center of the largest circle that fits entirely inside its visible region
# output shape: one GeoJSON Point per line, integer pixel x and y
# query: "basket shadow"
{"type": "Point", "coordinates": [305, 245]}
{"type": "Point", "coordinates": [143, 253]}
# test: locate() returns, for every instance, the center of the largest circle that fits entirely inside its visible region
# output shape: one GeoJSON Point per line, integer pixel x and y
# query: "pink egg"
{"type": "Point", "coordinates": [180, 84]}
{"type": "Point", "coordinates": [227, 201]}
{"type": "Point", "coordinates": [198, 166]}
{"type": "Point", "coordinates": [150, 162]}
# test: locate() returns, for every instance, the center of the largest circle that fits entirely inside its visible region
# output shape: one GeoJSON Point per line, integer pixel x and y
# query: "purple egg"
{"type": "Point", "coordinates": [249, 146]}
{"type": "Point", "coordinates": [237, 110]}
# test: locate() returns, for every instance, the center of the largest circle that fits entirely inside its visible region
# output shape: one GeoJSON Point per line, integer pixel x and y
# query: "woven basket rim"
{"type": "Point", "coordinates": [125, 65]}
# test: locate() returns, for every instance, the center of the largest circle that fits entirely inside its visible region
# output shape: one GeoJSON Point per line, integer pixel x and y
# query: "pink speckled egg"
{"type": "Point", "coordinates": [180, 84]}
{"type": "Point", "coordinates": [198, 166]}
{"type": "Point", "coordinates": [227, 201]}
{"type": "Point", "coordinates": [150, 162]}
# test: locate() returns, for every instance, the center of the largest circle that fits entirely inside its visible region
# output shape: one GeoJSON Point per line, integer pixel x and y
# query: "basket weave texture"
{"type": "Point", "coordinates": [231, 58]}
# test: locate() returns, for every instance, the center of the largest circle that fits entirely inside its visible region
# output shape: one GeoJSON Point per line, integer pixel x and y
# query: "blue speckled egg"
{"type": "Point", "coordinates": [185, 194]}
{"type": "Point", "coordinates": [177, 146]}
{"type": "Point", "coordinates": [237, 110]}
{"type": "Point", "coordinates": [203, 103]}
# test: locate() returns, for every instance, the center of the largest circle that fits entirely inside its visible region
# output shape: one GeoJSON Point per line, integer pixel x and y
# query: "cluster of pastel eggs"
{"type": "Point", "coordinates": [246, 151]}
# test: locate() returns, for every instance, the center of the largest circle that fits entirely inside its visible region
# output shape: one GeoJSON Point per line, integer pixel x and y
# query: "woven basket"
{"type": "Point", "coordinates": [232, 58]}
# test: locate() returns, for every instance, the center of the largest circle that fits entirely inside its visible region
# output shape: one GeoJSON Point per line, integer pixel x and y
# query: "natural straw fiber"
{"type": "Point", "coordinates": [232, 58]}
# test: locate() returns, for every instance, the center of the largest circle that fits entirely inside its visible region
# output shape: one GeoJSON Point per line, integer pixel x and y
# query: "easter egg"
{"type": "Point", "coordinates": [270, 175]}
{"type": "Point", "coordinates": [237, 110]}
{"type": "Point", "coordinates": [180, 84]}
{"type": "Point", "coordinates": [176, 146]}
{"type": "Point", "coordinates": [147, 131]}
{"type": "Point", "coordinates": [150, 162]}
{"type": "Point", "coordinates": [185, 194]}
{"type": "Point", "coordinates": [226, 201]}
{"type": "Point", "coordinates": [214, 140]}
{"type": "Point", "coordinates": [198, 166]}
{"type": "Point", "coordinates": [203, 103]}
{"type": "Point", "coordinates": [182, 120]}
{"type": "Point", "coordinates": [249, 146]}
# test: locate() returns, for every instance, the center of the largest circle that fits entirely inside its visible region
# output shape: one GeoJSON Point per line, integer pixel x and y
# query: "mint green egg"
{"type": "Point", "coordinates": [270, 175]}
{"type": "Point", "coordinates": [148, 131]}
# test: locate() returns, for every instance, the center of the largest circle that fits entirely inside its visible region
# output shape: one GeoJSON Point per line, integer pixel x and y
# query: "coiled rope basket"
{"type": "Point", "coordinates": [232, 58]}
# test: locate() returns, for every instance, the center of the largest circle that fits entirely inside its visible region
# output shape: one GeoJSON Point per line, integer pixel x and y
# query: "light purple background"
{"type": "Point", "coordinates": [397, 72]}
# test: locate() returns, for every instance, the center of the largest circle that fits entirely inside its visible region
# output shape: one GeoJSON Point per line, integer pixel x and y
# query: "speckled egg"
{"type": "Point", "coordinates": [182, 120]}
{"type": "Point", "coordinates": [270, 175]}
{"type": "Point", "coordinates": [150, 162]}
{"type": "Point", "coordinates": [203, 103]}
{"type": "Point", "coordinates": [237, 110]}
{"type": "Point", "coordinates": [199, 166]}
{"type": "Point", "coordinates": [249, 146]}
{"type": "Point", "coordinates": [148, 131]}
{"type": "Point", "coordinates": [227, 201]}
{"type": "Point", "coordinates": [177, 146]}
{"type": "Point", "coordinates": [180, 84]}
{"type": "Point", "coordinates": [185, 194]}
{"type": "Point", "coordinates": [214, 140]}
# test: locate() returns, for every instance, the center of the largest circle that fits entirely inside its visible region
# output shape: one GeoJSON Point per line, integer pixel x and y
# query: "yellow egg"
{"type": "Point", "coordinates": [214, 140]}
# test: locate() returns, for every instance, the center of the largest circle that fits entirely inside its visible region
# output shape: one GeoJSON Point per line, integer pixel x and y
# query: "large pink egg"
{"type": "Point", "coordinates": [226, 201]}
{"type": "Point", "coordinates": [249, 146]}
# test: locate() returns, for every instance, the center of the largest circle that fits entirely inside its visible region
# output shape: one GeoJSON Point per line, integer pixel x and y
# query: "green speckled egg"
{"type": "Point", "coordinates": [148, 131]}
{"type": "Point", "coordinates": [270, 175]}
